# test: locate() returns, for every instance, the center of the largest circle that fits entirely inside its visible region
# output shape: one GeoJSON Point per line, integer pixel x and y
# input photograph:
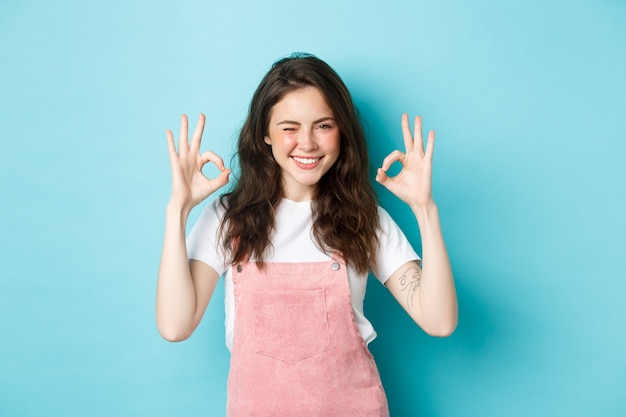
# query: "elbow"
{"type": "Point", "coordinates": [442, 329]}
{"type": "Point", "coordinates": [172, 333]}
{"type": "Point", "coordinates": [173, 336]}
{"type": "Point", "coordinates": [173, 327]}
{"type": "Point", "coordinates": [442, 332]}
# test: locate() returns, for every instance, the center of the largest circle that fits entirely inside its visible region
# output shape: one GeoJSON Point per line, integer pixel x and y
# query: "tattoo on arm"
{"type": "Point", "coordinates": [410, 281]}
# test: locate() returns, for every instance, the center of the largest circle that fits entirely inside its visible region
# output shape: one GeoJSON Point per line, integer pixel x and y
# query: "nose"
{"type": "Point", "coordinates": [307, 141]}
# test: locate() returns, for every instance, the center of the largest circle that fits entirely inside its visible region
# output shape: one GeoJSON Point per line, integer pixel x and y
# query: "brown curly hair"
{"type": "Point", "coordinates": [345, 209]}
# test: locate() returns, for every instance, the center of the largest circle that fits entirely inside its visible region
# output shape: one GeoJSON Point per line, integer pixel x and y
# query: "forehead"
{"type": "Point", "coordinates": [304, 103]}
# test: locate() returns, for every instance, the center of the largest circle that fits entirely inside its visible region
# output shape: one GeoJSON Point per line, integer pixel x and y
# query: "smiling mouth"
{"type": "Point", "coordinates": [306, 161]}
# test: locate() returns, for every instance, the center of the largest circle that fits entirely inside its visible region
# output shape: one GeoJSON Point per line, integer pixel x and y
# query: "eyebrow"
{"type": "Point", "coordinates": [291, 122]}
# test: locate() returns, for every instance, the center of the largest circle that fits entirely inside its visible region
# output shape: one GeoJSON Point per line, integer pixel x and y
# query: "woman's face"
{"type": "Point", "coordinates": [304, 137]}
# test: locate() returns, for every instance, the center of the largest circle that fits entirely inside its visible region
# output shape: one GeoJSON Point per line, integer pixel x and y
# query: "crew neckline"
{"type": "Point", "coordinates": [293, 203]}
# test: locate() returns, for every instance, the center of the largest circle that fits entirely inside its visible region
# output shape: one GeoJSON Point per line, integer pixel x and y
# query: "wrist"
{"type": "Point", "coordinates": [424, 212]}
{"type": "Point", "coordinates": [175, 210]}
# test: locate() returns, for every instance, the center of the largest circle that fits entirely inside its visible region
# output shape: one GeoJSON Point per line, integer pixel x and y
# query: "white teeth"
{"type": "Point", "coordinates": [306, 161]}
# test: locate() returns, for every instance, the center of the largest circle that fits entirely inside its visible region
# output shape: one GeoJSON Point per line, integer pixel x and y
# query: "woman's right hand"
{"type": "Point", "coordinates": [189, 184]}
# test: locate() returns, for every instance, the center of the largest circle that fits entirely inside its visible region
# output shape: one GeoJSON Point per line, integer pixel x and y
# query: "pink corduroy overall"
{"type": "Point", "coordinates": [297, 351]}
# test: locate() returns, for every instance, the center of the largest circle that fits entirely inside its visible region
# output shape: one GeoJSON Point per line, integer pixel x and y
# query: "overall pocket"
{"type": "Point", "coordinates": [291, 325]}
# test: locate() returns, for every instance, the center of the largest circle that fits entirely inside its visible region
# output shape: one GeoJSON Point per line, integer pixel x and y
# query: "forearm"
{"type": "Point", "coordinates": [176, 296]}
{"type": "Point", "coordinates": [437, 294]}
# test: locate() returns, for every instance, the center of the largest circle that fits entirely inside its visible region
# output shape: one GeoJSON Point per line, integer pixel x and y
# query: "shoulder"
{"type": "Point", "coordinates": [214, 209]}
{"type": "Point", "coordinates": [209, 220]}
{"type": "Point", "coordinates": [394, 249]}
{"type": "Point", "coordinates": [386, 222]}
{"type": "Point", "coordinates": [382, 213]}
{"type": "Point", "coordinates": [202, 241]}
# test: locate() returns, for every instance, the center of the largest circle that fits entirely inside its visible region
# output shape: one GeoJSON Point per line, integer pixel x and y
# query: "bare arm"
{"type": "Point", "coordinates": [428, 294]}
{"type": "Point", "coordinates": [184, 288]}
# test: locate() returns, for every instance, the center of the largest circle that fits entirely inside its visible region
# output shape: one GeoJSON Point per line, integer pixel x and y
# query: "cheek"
{"type": "Point", "coordinates": [333, 142]}
{"type": "Point", "coordinates": [285, 141]}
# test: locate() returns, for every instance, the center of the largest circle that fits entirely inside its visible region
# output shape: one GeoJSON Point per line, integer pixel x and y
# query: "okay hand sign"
{"type": "Point", "coordinates": [413, 184]}
{"type": "Point", "coordinates": [189, 185]}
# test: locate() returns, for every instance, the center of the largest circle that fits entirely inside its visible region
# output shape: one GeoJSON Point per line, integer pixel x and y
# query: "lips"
{"type": "Point", "coordinates": [306, 163]}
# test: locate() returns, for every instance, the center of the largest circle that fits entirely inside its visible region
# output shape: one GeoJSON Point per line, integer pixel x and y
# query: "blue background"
{"type": "Point", "coordinates": [528, 99]}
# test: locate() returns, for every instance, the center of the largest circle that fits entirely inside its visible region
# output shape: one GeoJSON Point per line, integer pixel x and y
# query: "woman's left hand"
{"type": "Point", "coordinates": [413, 184]}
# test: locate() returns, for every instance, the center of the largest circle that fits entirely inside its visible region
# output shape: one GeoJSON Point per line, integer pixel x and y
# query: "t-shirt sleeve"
{"type": "Point", "coordinates": [394, 249]}
{"type": "Point", "coordinates": [202, 242]}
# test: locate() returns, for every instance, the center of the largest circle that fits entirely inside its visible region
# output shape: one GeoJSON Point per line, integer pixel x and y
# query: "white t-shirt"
{"type": "Point", "coordinates": [292, 241]}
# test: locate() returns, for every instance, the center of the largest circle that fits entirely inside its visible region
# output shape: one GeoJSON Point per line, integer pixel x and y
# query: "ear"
{"type": "Point", "coordinates": [267, 140]}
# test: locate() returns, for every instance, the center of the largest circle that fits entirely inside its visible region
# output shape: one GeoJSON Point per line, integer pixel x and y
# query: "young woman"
{"type": "Point", "coordinates": [295, 239]}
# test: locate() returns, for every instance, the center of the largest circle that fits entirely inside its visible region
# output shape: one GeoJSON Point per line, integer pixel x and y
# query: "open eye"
{"type": "Point", "coordinates": [325, 126]}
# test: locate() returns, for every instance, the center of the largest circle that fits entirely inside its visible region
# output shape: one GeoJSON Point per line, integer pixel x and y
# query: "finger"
{"type": "Point", "coordinates": [381, 176]}
{"type": "Point", "coordinates": [419, 143]}
{"type": "Point", "coordinates": [430, 146]}
{"type": "Point", "coordinates": [171, 147]}
{"type": "Point", "coordinates": [222, 179]}
{"type": "Point", "coordinates": [406, 133]}
{"type": "Point", "coordinates": [210, 156]}
{"type": "Point", "coordinates": [385, 180]}
{"type": "Point", "coordinates": [395, 156]}
{"type": "Point", "coordinates": [183, 144]}
{"type": "Point", "coordinates": [196, 139]}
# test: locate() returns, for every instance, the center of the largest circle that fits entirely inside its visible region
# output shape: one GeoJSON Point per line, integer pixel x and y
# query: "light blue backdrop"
{"type": "Point", "coordinates": [528, 99]}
